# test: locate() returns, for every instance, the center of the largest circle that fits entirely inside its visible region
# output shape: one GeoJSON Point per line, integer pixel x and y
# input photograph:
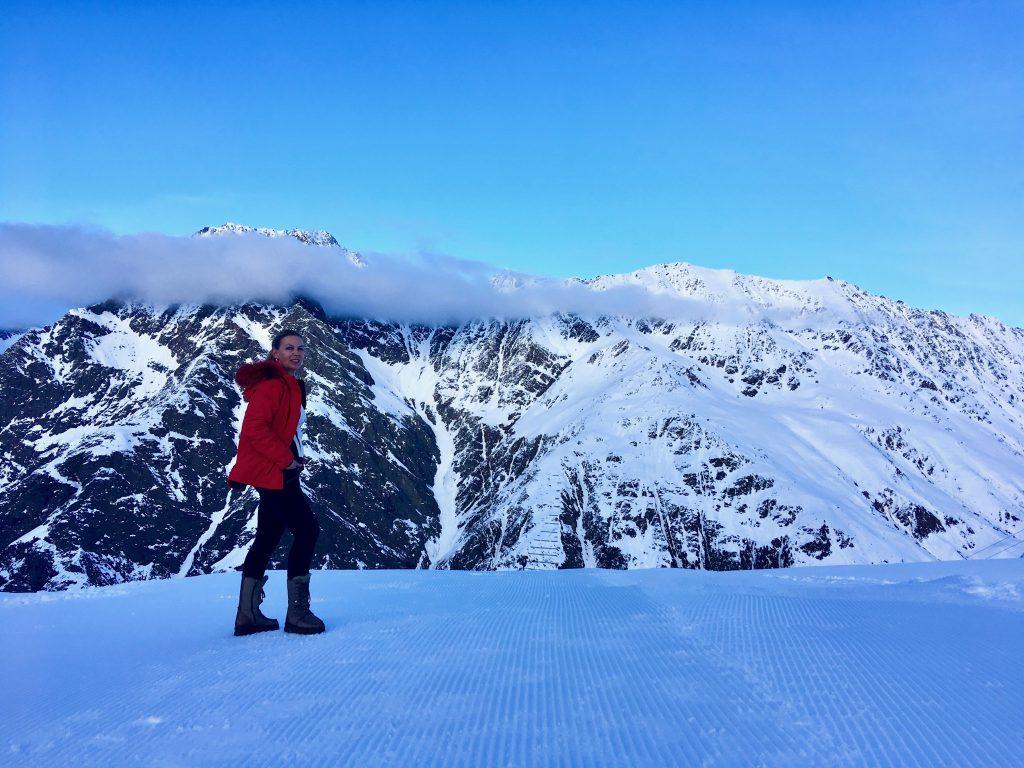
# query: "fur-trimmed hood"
{"type": "Point", "coordinates": [251, 374]}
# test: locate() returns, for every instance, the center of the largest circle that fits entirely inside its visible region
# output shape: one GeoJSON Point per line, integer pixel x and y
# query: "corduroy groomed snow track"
{"type": "Point", "coordinates": [856, 666]}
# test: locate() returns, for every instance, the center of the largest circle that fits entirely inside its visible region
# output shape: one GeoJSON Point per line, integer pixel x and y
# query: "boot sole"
{"type": "Point", "coordinates": [292, 629]}
{"type": "Point", "coordinates": [243, 631]}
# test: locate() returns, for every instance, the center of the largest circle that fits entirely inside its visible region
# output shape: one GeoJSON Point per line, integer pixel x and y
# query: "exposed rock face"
{"type": "Point", "coordinates": [875, 432]}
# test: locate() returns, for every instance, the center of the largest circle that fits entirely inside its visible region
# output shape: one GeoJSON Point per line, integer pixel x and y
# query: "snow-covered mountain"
{"type": "Point", "coordinates": [316, 237]}
{"type": "Point", "coordinates": [811, 422]}
{"type": "Point", "coordinates": [310, 237]}
{"type": "Point", "coordinates": [8, 336]}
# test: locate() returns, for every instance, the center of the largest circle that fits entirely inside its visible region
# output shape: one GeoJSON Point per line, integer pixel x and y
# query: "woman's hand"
{"type": "Point", "coordinates": [296, 464]}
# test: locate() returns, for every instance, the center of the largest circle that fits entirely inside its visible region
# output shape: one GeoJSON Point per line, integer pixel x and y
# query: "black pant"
{"type": "Point", "coordinates": [288, 508]}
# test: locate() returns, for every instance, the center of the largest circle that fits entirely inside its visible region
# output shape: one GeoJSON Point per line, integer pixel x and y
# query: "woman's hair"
{"type": "Point", "coordinates": [276, 343]}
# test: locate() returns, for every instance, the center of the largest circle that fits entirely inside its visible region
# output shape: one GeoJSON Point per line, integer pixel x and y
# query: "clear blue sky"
{"type": "Point", "coordinates": [878, 142]}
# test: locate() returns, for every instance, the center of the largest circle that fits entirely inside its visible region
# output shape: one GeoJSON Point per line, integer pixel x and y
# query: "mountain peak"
{"type": "Point", "coordinates": [318, 237]}
{"type": "Point", "coordinates": [308, 236]}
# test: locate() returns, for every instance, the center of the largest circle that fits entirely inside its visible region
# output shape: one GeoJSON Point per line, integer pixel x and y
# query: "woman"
{"type": "Point", "coordinates": [270, 458]}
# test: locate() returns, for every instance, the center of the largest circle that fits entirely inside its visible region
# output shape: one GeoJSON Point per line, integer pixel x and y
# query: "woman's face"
{"type": "Point", "coordinates": [290, 353]}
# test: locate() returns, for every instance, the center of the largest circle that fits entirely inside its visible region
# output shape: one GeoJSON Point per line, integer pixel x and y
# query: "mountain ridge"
{"type": "Point", "coordinates": [887, 434]}
{"type": "Point", "coordinates": [315, 237]}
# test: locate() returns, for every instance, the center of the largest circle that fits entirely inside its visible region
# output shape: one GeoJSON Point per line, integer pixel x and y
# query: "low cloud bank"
{"type": "Point", "coordinates": [78, 266]}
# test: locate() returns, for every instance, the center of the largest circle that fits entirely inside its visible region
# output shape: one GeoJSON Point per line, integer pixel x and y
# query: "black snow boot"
{"type": "Point", "coordinates": [249, 619]}
{"type": "Point", "coordinates": [300, 619]}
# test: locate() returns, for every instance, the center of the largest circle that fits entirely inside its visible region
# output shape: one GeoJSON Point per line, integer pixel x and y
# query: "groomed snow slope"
{"type": "Point", "coordinates": [904, 665]}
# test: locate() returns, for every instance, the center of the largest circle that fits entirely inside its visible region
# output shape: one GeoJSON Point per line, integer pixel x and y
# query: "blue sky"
{"type": "Point", "coordinates": [878, 142]}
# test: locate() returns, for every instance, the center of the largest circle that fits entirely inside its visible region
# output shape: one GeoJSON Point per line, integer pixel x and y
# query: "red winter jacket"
{"type": "Point", "coordinates": [269, 424]}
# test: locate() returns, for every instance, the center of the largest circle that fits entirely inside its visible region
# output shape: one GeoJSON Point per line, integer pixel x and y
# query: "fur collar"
{"type": "Point", "coordinates": [251, 374]}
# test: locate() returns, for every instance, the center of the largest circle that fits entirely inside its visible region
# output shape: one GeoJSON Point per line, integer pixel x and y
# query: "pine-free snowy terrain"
{"type": "Point", "coordinates": [904, 665]}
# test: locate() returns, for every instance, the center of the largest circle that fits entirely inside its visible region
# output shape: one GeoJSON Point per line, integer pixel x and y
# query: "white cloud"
{"type": "Point", "coordinates": [44, 265]}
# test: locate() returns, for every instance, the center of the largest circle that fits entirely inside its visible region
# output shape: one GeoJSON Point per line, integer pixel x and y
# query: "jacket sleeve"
{"type": "Point", "coordinates": [256, 425]}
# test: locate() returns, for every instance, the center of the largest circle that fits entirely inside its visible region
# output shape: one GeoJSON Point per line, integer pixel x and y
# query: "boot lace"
{"type": "Point", "coordinates": [301, 602]}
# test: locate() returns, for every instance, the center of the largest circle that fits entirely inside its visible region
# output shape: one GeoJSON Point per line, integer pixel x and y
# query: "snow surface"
{"type": "Point", "coordinates": [902, 665]}
{"type": "Point", "coordinates": [8, 338]}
